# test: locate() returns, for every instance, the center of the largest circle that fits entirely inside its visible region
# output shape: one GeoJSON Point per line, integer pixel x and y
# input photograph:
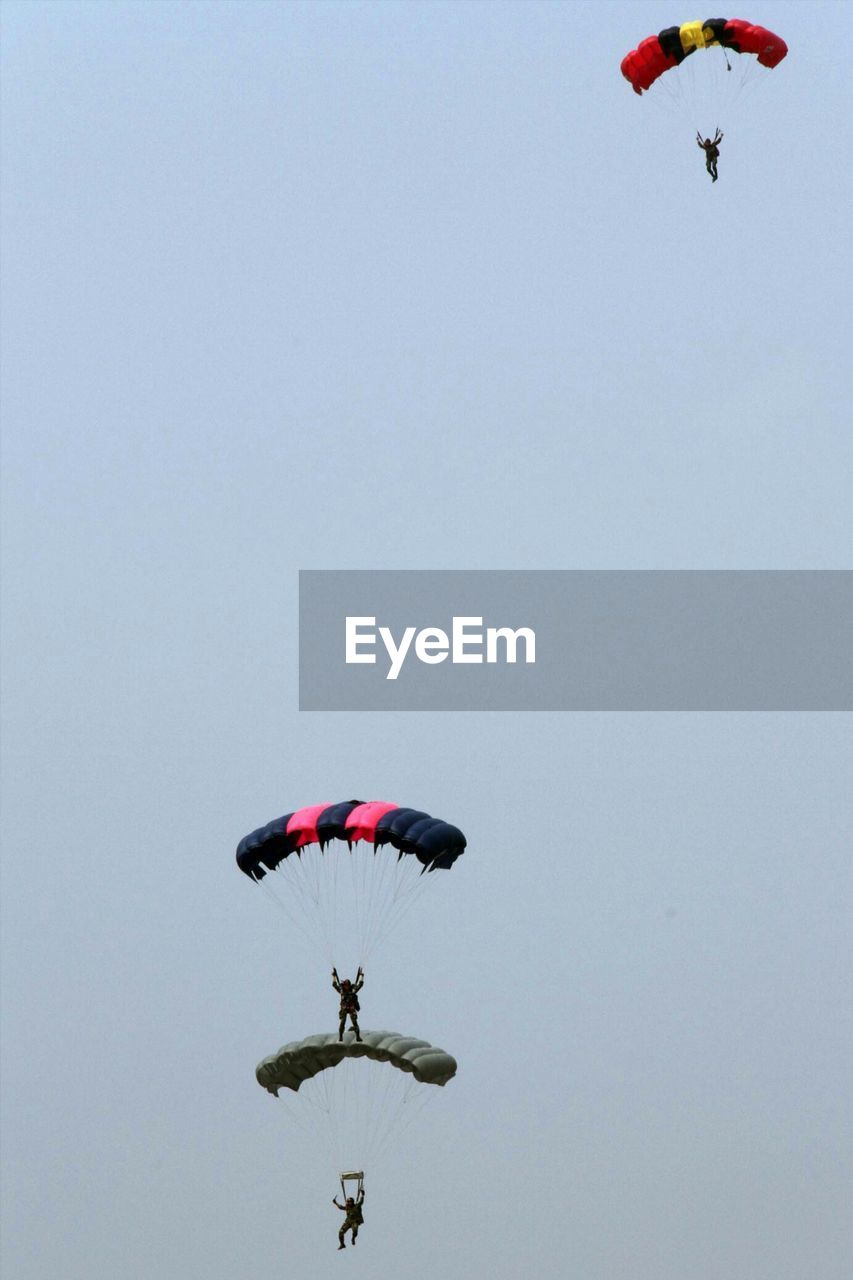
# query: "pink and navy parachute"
{"type": "Point", "coordinates": [657, 54]}
{"type": "Point", "coordinates": [435, 844]}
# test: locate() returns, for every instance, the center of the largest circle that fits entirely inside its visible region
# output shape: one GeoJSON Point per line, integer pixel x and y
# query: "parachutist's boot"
{"type": "Point", "coordinates": [357, 1032]}
{"type": "Point", "coordinates": [341, 1246]}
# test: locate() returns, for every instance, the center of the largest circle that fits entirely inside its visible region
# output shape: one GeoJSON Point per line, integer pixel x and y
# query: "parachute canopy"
{"type": "Point", "coordinates": [657, 54]}
{"type": "Point", "coordinates": [357, 1106]}
{"type": "Point", "coordinates": [303, 1059]}
{"type": "Point", "coordinates": [435, 844]}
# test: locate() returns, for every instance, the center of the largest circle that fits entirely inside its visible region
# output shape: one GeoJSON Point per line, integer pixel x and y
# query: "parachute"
{"type": "Point", "coordinates": [708, 90]}
{"type": "Point", "coordinates": [657, 54]}
{"type": "Point", "coordinates": [346, 1091]}
{"type": "Point", "coordinates": [303, 1059]}
{"type": "Point", "coordinates": [347, 872]}
{"type": "Point", "coordinates": [434, 843]}
{"type": "Point", "coordinates": [336, 865]}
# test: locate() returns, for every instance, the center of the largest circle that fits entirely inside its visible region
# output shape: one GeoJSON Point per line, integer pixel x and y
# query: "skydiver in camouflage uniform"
{"type": "Point", "coordinates": [348, 992]}
{"type": "Point", "coordinates": [712, 152]}
{"type": "Point", "coordinates": [354, 1217]}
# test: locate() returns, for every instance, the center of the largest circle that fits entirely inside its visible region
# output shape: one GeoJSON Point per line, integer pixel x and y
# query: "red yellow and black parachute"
{"type": "Point", "coordinates": [657, 54]}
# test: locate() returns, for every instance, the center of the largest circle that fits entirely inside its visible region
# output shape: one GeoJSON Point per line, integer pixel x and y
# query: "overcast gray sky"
{"type": "Point", "coordinates": [413, 286]}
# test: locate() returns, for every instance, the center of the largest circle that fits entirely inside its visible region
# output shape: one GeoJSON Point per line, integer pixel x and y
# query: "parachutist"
{"type": "Point", "coordinates": [370, 1097]}
{"type": "Point", "coordinates": [348, 992]}
{"type": "Point", "coordinates": [712, 152]}
{"type": "Point", "coordinates": [354, 1218]}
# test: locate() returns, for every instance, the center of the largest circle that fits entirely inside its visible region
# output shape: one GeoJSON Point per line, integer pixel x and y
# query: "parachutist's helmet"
{"type": "Point", "coordinates": [346, 983]}
{"type": "Point", "coordinates": [350, 1200]}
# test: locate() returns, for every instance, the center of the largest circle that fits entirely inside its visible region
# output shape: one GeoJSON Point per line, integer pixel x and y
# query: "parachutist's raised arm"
{"type": "Point", "coordinates": [335, 980]}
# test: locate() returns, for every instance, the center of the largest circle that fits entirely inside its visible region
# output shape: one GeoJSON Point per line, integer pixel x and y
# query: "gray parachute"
{"type": "Point", "coordinates": [302, 1059]}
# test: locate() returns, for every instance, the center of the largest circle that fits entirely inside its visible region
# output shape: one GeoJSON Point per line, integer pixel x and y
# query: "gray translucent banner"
{"type": "Point", "coordinates": [682, 640]}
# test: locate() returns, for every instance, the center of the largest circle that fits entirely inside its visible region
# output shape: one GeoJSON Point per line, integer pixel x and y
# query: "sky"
{"type": "Point", "coordinates": [292, 286]}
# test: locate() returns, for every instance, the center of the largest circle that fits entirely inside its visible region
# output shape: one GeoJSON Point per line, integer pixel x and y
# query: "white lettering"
{"type": "Point", "coordinates": [461, 638]}
{"type": "Point", "coordinates": [396, 654]}
{"type": "Point", "coordinates": [493, 634]}
{"type": "Point", "coordinates": [432, 645]}
{"type": "Point", "coordinates": [353, 640]}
